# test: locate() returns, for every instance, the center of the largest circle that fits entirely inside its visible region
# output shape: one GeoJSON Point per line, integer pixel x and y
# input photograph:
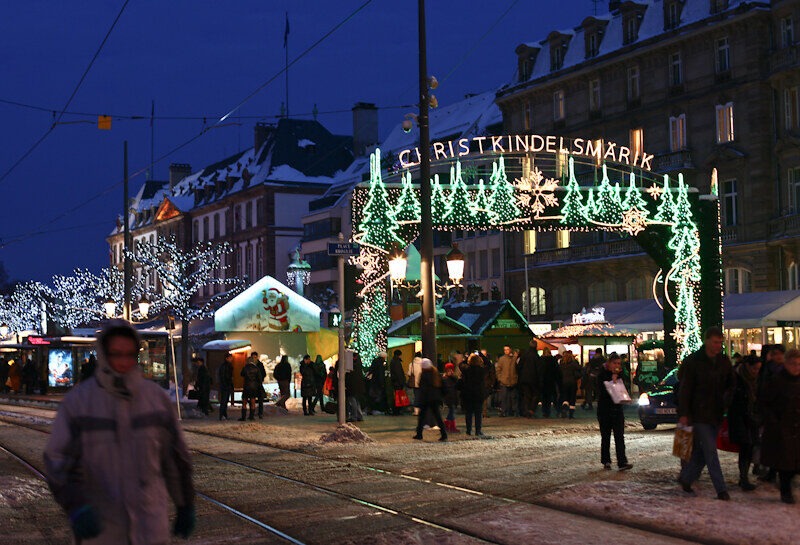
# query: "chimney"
{"type": "Point", "coordinates": [261, 133]}
{"type": "Point", "coordinates": [365, 127]}
{"type": "Point", "coordinates": [177, 172]}
{"type": "Point", "coordinates": [613, 5]}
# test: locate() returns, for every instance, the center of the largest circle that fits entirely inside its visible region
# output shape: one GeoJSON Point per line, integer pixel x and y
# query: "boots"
{"type": "Point", "coordinates": [443, 437]}
{"type": "Point", "coordinates": [744, 482]}
{"type": "Point", "coordinates": [252, 415]}
{"type": "Point", "coordinates": [244, 413]}
{"type": "Point", "coordinates": [450, 425]}
{"type": "Point", "coordinates": [572, 414]}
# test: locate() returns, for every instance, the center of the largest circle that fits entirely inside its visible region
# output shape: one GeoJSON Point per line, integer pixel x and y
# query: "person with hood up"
{"type": "Point", "coordinates": [250, 389]}
{"type": "Point", "coordinates": [116, 452]}
{"type": "Point", "coordinates": [430, 397]}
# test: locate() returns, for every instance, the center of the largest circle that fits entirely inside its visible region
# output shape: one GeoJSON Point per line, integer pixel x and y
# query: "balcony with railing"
{"type": "Point", "coordinates": [676, 160]}
{"type": "Point", "coordinates": [784, 226]}
{"type": "Point", "coordinates": [589, 252]}
{"type": "Point", "coordinates": [784, 58]}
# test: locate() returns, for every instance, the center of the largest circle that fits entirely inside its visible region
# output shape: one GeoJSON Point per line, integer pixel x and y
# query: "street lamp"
{"type": "Point", "coordinates": [110, 307]}
{"type": "Point", "coordinates": [398, 262]}
{"type": "Point", "coordinates": [298, 273]}
{"type": "Point", "coordinates": [144, 306]}
{"type": "Point", "coordinates": [455, 264]}
{"type": "Point", "coordinates": [4, 330]}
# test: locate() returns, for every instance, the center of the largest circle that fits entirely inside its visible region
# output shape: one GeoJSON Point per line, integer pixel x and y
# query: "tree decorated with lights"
{"type": "Point", "coordinates": [666, 206]}
{"type": "Point", "coordinates": [26, 308]}
{"type": "Point", "coordinates": [408, 211]}
{"type": "Point", "coordinates": [378, 227]}
{"type": "Point", "coordinates": [502, 202]}
{"type": "Point", "coordinates": [440, 204]}
{"type": "Point", "coordinates": [685, 244]}
{"type": "Point", "coordinates": [608, 207]}
{"type": "Point", "coordinates": [483, 214]}
{"type": "Point", "coordinates": [633, 197]}
{"type": "Point", "coordinates": [590, 209]}
{"type": "Point", "coordinates": [182, 274]}
{"type": "Point", "coordinates": [370, 322]}
{"type": "Point", "coordinates": [460, 212]}
{"type": "Point", "coordinates": [572, 210]}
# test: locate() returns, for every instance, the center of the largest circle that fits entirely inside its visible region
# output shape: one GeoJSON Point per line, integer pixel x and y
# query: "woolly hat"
{"type": "Point", "coordinates": [426, 363]}
{"type": "Point", "coordinates": [449, 366]}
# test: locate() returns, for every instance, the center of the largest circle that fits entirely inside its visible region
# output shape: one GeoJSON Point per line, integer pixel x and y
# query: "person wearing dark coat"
{"type": "Point", "coordinates": [706, 381]}
{"type": "Point", "coordinates": [450, 394]}
{"type": "Point", "coordinates": [283, 376]}
{"type": "Point", "coordinates": [529, 380]}
{"type": "Point", "coordinates": [252, 384]}
{"type": "Point", "coordinates": [202, 384]}
{"type": "Point", "coordinates": [225, 379]}
{"type": "Point", "coordinates": [88, 368]}
{"type": "Point", "coordinates": [262, 394]}
{"type": "Point", "coordinates": [430, 397]}
{"type": "Point", "coordinates": [398, 376]}
{"type": "Point", "coordinates": [569, 371]}
{"type": "Point", "coordinates": [308, 385]}
{"type": "Point", "coordinates": [589, 379]}
{"type": "Point", "coordinates": [4, 367]}
{"type": "Point", "coordinates": [743, 417]}
{"type": "Point", "coordinates": [354, 389]}
{"type": "Point", "coordinates": [489, 381]}
{"type": "Point", "coordinates": [473, 392]}
{"type": "Point", "coordinates": [772, 357]}
{"type": "Point", "coordinates": [29, 376]}
{"type": "Point", "coordinates": [610, 415]}
{"type": "Point", "coordinates": [780, 410]}
{"type": "Point", "coordinates": [549, 376]}
{"type": "Point", "coordinates": [376, 389]}
{"type": "Point", "coordinates": [319, 382]}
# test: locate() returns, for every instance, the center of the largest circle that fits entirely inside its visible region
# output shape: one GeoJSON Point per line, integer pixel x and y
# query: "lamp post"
{"type": "Point", "coordinates": [398, 263]}
{"type": "Point", "coordinates": [126, 238]}
{"type": "Point", "coordinates": [298, 273]}
{"type": "Point", "coordinates": [428, 313]}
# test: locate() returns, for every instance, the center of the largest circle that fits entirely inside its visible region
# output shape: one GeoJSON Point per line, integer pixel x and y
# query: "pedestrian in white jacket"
{"type": "Point", "coordinates": [116, 452]}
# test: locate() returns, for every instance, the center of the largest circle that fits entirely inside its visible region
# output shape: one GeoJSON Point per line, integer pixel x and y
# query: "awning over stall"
{"type": "Point", "coordinates": [226, 345]}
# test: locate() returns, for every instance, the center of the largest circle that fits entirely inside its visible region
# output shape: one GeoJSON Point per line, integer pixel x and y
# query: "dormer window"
{"type": "Point", "coordinates": [559, 41]}
{"type": "Point", "coordinates": [526, 58]}
{"type": "Point", "coordinates": [787, 32]}
{"type": "Point", "coordinates": [672, 14]}
{"type": "Point", "coordinates": [592, 45]}
{"type": "Point", "coordinates": [630, 29]}
{"type": "Point", "coordinates": [557, 58]}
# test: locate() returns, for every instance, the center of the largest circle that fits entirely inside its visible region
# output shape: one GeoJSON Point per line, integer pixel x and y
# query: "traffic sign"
{"type": "Point", "coordinates": [334, 319]}
{"type": "Point", "coordinates": [343, 249]}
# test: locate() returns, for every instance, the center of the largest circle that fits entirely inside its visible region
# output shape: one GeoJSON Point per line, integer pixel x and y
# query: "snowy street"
{"type": "Point", "coordinates": [527, 481]}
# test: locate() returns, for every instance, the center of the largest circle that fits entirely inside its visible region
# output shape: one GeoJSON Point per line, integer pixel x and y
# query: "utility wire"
{"type": "Point", "coordinates": [69, 101]}
{"type": "Point", "coordinates": [133, 117]}
{"type": "Point", "coordinates": [107, 190]}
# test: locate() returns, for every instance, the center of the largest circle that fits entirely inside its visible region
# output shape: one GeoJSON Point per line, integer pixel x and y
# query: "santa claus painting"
{"type": "Point", "coordinates": [277, 304]}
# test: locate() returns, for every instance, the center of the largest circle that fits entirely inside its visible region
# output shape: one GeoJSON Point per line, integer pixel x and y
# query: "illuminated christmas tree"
{"type": "Point", "coordinates": [502, 202]}
{"type": "Point", "coordinates": [460, 213]}
{"type": "Point", "coordinates": [608, 207]}
{"type": "Point", "coordinates": [378, 227]}
{"type": "Point", "coordinates": [666, 206]}
{"type": "Point", "coordinates": [590, 209]}
{"type": "Point", "coordinates": [572, 209]}
{"type": "Point", "coordinates": [633, 197]}
{"type": "Point", "coordinates": [483, 215]}
{"type": "Point", "coordinates": [439, 201]}
{"type": "Point", "coordinates": [408, 211]}
{"type": "Point", "coordinates": [27, 307]}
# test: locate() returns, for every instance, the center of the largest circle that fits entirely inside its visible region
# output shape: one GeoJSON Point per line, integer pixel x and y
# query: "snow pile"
{"type": "Point", "coordinates": [346, 433]}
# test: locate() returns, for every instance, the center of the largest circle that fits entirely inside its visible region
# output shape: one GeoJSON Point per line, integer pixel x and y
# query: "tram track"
{"type": "Point", "coordinates": [445, 524]}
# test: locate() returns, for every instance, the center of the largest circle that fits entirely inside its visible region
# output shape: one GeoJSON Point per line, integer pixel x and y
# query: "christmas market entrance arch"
{"type": "Point", "coordinates": [544, 183]}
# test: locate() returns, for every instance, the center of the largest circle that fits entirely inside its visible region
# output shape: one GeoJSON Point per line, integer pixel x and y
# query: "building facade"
{"type": "Point", "coordinates": [702, 85]}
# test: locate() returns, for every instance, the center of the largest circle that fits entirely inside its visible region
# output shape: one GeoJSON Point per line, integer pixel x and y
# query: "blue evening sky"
{"type": "Point", "coordinates": [201, 58]}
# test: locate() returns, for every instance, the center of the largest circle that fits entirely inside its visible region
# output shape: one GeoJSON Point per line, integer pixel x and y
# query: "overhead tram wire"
{"type": "Point", "coordinates": [198, 135]}
{"type": "Point", "coordinates": [69, 101]}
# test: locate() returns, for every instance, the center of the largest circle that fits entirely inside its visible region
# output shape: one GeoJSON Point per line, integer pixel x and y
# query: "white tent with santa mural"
{"type": "Point", "coordinates": [275, 320]}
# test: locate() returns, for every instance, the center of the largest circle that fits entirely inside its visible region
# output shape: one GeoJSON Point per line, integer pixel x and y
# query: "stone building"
{"type": "Point", "coordinates": [702, 85]}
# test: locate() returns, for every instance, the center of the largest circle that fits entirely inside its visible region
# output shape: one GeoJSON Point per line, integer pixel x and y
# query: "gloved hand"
{"type": "Point", "coordinates": [185, 521]}
{"type": "Point", "coordinates": [85, 522]}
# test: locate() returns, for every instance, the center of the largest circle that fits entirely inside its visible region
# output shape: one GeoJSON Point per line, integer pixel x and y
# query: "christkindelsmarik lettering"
{"type": "Point", "coordinates": [530, 143]}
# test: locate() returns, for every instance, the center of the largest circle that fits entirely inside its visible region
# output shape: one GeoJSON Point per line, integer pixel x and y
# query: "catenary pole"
{"type": "Point", "coordinates": [426, 221]}
{"type": "Point", "coordinates": [126, 237]}
{"type": "Point", "coordinates": [342, 371]}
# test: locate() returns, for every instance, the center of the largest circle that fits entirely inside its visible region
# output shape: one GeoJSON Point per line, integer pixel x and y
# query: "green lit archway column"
{"type": "Point", "coordinates": [517, 182]}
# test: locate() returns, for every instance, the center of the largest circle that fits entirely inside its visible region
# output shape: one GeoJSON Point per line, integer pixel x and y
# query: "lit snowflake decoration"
{"type": "Point", "coordinates": [634, 221]}
{"type": "Point", "coordinates": [655, 192]}
{"type": "Point", "coordinates": [366, 260]}
{"type": "Point", "coordinates": [679, 335]}
{"type": "Point", "coordinates": [536, 192]}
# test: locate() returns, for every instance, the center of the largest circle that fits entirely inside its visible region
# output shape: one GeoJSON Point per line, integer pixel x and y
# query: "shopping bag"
{"type": "Point", "coordinates": [401, 399]}
{"type": "Point", "coordinates": [328, 386]}
{"type": "Point", "coordinates": [724, 439]}
{"type": "Point", "coordinates": [617, 391]}
{"type": "Point", "coordinates": [682, 444]}
{"type": "Point", "coordinates": [331, 407]}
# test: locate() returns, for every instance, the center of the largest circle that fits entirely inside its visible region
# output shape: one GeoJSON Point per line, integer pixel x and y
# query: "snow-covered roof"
{"type": "Point", "coordinates": [652, 25]}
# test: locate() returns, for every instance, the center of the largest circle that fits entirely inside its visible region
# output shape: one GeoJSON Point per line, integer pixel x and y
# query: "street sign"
{"type": "Point", "coordinates": [343, 249]}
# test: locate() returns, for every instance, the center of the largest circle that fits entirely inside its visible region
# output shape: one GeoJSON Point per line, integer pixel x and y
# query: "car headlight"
{"type": "Point", "coordinates": [644, 400]}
